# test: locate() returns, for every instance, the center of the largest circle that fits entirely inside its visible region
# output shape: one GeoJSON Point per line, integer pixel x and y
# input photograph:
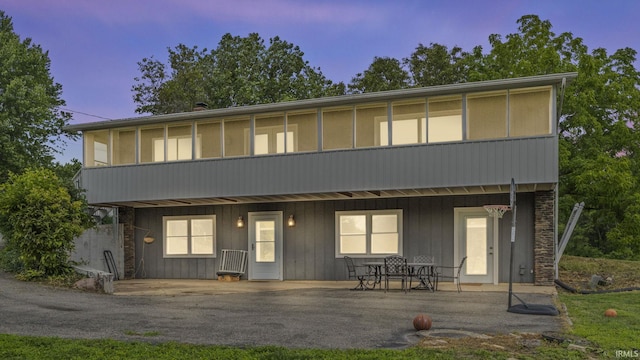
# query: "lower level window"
{"type": "Point", "coordinates": [371, 233]}
{"type": "Point", "coordinates": [189, 236]}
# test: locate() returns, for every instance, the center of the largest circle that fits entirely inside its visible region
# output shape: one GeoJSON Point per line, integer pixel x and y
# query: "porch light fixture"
{"type": "Point", "coordinates": [291, 222]}
{"type": "Point", "coordinates": [240, 222]}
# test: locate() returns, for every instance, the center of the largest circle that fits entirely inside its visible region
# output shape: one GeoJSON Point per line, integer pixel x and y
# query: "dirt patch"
{"type": "Point", "coordinates": [514, 344]}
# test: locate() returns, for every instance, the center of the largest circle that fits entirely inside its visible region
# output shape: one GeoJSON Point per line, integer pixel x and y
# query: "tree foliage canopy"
{"type": "Point", "coordinates": [31, 122]}
{"type": "Point", "coordinates": [383, 74]}
{"type": "Point", "coordinates": [240, 71]}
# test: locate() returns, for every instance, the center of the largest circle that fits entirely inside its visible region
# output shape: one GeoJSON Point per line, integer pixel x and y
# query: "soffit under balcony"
{"type": "Point", "coordinates": [327, 196]}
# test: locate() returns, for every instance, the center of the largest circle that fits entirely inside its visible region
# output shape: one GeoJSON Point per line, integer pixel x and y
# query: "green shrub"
{"type": "Point", "coordinates": [10, 260]}
{"type": "Point", "coordinates": [39, 221]}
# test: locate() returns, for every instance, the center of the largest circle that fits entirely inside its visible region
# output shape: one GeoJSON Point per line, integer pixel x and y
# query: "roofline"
{"type": "Point", "coordinates": [489, 85]}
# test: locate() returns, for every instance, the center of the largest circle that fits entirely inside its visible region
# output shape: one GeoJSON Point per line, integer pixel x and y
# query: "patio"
{"type": "Point", "coordinates": [183, 287]}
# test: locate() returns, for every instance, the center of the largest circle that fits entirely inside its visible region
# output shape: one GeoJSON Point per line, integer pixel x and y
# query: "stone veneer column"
{"type": "Point", "coordinates": [126, 215]}
{"type": "Point", "coordinates": [544, 238]}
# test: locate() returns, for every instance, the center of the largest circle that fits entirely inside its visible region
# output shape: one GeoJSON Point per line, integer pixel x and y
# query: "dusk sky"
{"type": "Point", "coordinates": [94, 46]}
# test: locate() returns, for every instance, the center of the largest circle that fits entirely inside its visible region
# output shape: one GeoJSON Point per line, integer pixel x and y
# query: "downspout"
{"type": "Point", "coordinates": [559, 112]}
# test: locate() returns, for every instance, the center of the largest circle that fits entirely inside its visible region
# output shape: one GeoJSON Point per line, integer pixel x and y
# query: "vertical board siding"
{"type": "Point", "coordinates": [529, 160]}
{"type": "Point", "coordinates": [309, 247]}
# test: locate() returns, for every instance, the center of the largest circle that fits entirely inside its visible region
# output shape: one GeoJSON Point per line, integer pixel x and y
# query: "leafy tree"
{"type": "Point", "coordinates": [383, 74]}
{"type": "Point", "coordinates": [437, 65]}
{"type": "Point", "coordinates": [31, 122]}
{"type": "Point", "coordinates": [39, 222]}
{"type": "Point", "coordinates": [240, 71]}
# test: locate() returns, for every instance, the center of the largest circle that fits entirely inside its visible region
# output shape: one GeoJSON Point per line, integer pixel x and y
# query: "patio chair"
{"type": "Point", "coordinates": [354, 273]}
{"type": "Point", "coordinates": [423, 274]}
{"type": "Point", "coordinates": [456, 273]}
{"type": "Point", "coordinates": [395, 267]}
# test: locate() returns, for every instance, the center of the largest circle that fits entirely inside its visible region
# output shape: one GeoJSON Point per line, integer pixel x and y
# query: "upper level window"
{"type": "Point", "coordinates": [408, 122]}
{"type": "Point", "coordinates": [370, 119]}
{"type": "Point", "coordinates": [487, 115]}
{"type": "Point", "coordinates": [530, 111]}
{"type": "Point", "coordinates": [269, 135]}
{"type": "Point", "coordinates": [337, 128]}
{"type": "Point", "coordinates": [189, 236]}
{"type": "Point", "coordinates": [372, 233]}
{"type": "Point", "coordinates": [208, 139]}
{"type": "Point", "coordinates": [96, 148]}
{"type": "Point", "coordinates": [151, 144]}
{"type": "Point", "coordinates": [179, 144]}
{"type": "Point", "coordinates": [124, 146]}
{"type": "Point", "coordinates": [445, 119]}
{"type": "Point", "coordinates": [236, 136]}
{"type": "Point", "coordinates": [305, 126]}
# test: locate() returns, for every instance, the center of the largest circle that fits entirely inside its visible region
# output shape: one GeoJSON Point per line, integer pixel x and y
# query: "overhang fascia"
{"type": "Point", "coordinates": [329, 196]}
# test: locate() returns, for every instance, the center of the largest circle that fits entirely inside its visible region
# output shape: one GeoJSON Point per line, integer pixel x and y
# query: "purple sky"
{"type": "Point", "coordinates": [94, 46]}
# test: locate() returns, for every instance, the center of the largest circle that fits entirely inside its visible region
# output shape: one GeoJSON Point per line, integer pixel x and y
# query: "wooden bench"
{"type": "Point", "coordinates": [233, 264]}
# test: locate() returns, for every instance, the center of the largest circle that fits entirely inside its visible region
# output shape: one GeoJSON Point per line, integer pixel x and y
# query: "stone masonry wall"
{"type": "Point", "coordinates": [544, 238]}
{"type": "Point", "coordinates": [126, 215]}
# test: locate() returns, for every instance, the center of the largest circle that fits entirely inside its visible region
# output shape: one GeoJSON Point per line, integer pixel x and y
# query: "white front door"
{"type": "Point", "coordinates": [475, 238]}
{"type": "Point", "coordinates": [265, 246]}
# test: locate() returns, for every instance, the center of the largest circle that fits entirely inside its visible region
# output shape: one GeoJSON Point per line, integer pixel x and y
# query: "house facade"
{"type": "Point", "coordinates": [301, 184]}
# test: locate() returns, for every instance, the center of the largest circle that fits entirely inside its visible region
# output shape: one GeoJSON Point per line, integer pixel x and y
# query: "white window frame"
{"type": "Point", "coordinates": [368, 214]}
{"type": "Point", "coordinates": [189, 253]}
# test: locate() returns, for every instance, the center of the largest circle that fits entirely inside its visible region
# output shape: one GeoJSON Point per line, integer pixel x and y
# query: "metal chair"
{"type": "Point", "coordinates": [395, 267]}
{"type": "Point", "coordinates": [354, 274]}
{"type": "Point", "coordinates": [456, 273]}
{"type": "Point", "coordinates": [423, 274]}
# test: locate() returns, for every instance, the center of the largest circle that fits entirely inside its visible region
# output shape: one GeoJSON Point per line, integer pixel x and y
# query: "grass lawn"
{"type": "Point", "coordinates": [607, 333]}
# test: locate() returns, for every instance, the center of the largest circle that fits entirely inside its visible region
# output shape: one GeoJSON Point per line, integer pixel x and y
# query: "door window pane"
{"type": "Point", "coordinates": [445, 119]}
{"type": "Point", "coordinates": [265, 241]}
{"type": "Point", "coordinates": [476, 246]}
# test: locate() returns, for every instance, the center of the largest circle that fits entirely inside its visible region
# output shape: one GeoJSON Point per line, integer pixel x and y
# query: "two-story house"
{"type": "Point", "coordinates": [301, 184]}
